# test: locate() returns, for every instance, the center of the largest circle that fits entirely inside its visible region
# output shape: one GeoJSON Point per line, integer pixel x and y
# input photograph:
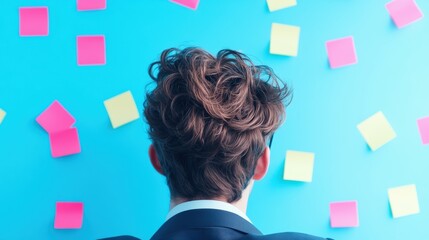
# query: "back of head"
{"type": "Point", "coordinates": [209, 118]}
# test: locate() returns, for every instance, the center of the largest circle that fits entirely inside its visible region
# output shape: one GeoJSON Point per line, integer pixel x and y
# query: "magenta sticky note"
{"type": "Point", "coordinates": [423, 125]}
{"type": "Point", "coordinates": [86, 5]}
{"type": "Point", "coordinates": [192, 4]}
{"type": "Point", "coordinates": [344, 214]}
{"type": "Point", "coordinates": [68, 215]}
{"type": "Point", "coordinates": [91, 50]}
{"type": "Point", "coordinates": [64, 143]}
{"type": "Point", "coordinates": [55, 118]}
{"type": "Point", "coordinates": [33, 21]}
{"type": "Point", "coordinates": [404, 12]}
{"type": "Point", "coordinates": [341, 52]}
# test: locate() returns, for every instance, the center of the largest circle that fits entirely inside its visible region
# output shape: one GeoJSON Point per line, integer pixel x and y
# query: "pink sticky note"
{"type": "Point", "coordinates": [344, 214]}
{"type": "Point", "coordinates": [192, 4]}
{"type": "Point", "coordinates": [64, 143]}
{"type": "Point", "coordinates": [68, 215]}
{"type": "Point", "coordinates": [85, 5]}
{"type": "Point", "coordinates": [404, 12]}
{"type": "Point", "coordinates": [55, 118]}
{"type": "Point", "coordinates": [91, 50]}
{"type": "Point", "coordinates": [341, 52]}
{"type": "Point", "coordinates": [423, 124]}
{"type": "Point", "coordinates": [33, 21]}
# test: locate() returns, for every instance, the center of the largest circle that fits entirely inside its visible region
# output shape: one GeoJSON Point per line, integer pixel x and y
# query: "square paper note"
{"type": "Point", "coordinates": [376, 131]}
{"type": "Point", "coordinates": [64, 143]}
{"type": "Point", "coordinates": [404, 12]}
{"type": "Point", "coordinates": [403, 201]}
{"type": "Point", "coordinates": [344, 214]}
{"type": "Point", "coordinates": [33, 21]}
{"type": "Point", "coordinates": [121, 109]}
{"type": "Point", "coordinates": [2, 115]}
{"type": "Point", "coordinates": [341, 52]}
{"type": "Point", "coordinates": [91, 50]}
{"type": "Point", "coordinates": [275, 5]}
{"type": "Point", "coordinates": [192, 4]}
{"type": "Point", "coordinates": [423, 124]}
{"type": "Point", "coordinates": [284, 39]}
{"type": "Point", "coordinates": [55, 118]}
{"type": "Point", "coordinates": [84, 5]}
{"type": "Point", "coordinates": [299, 166]}
{"type": "Point", "coordinates": [68, 215]}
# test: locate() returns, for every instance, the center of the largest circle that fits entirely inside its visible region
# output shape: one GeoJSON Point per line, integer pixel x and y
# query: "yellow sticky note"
{"type": "Point", "coordinates": [403, 201]}
{"type": "Point", "coordinates": [2, 115]}
{"type": "Point", "coordinates": [376, 131]}
{"type": "Point", "coordinates": [284, 39]}
{"type": "Point", "coordinates": [275, 5]}
{"type": "Point", "coordinates": [122, 109]}
{"type": "Point", "coordinates": [299, 166]}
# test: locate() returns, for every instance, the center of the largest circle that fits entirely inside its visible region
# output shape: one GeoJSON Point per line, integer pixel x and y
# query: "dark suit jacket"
{"type": "Point", "coordinates": [210, 224]}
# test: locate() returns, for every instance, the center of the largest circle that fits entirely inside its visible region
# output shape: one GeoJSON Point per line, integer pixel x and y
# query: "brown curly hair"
{"type": "Point", "coordinates": [209, 119]}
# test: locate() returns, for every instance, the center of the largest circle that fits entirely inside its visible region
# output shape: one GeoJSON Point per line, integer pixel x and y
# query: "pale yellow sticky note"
{"type": "Point", "coordinates": [376, 131]}
{"type": "Point", "coordinates": [275, 5]}
{"type": "Point", "coordinates": [284, 39]}
{"type": "Point", "coordinates": [403, 201]}
{"type": "Point", "coordinates": [2, 115]}
{"type": "Point", "coordinates": [122, 109]}
{"type": "Point", "coordinates": [299, 166]}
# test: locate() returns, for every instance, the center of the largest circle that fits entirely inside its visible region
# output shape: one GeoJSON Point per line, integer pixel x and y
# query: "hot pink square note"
{"type": "Point", "coordinates": [344, 214]}
{"type": "Point", "coordinates": [68, 215]}
{"type": "Point", "coordinates": [64, 143]}
{"type": "Point", "coordinates": [192, 4]}
{"type": "Point", "coordinates": [33, 21]}
{"type": "Point", "coordinates": [404, 12]}
{"type": "Point", "coordinates": [85, 5]}
{"type": "Point", "coordinates": [55, 118]}
{"type": "Point", "coordinates": [423, 124]}
{"type": "Point", "coordinates": [91, 50]}
{"type": "Point", "coordinates": [341, 52]}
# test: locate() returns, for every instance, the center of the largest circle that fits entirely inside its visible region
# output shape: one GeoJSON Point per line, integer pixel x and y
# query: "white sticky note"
{"type": "Point", "coordinates": [299, 166]}
{"type": "Point", "coordinates": [376, 131]}
{"type": "Point", "coordinates": [2, 115]}
{"type": "Point", "coordinates": [284, 39]}
{"type": "Point", "coordinates": [274, 5]}
{"type": "Point", "coordinates": [403, 200]}
{"type": "Point", "coordinates": [122, 109]}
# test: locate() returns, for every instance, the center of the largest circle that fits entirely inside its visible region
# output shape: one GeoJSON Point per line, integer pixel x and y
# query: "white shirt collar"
{"type": "Point", "coordinates": [206, 204]}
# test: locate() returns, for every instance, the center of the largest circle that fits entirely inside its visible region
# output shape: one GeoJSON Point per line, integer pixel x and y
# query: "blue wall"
{"type": "Point", "coordinates": [113, 177]}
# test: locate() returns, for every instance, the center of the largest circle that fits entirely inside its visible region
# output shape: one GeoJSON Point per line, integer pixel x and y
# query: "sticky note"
{"type": "Point", "coordinates": [284, 39]}
{"type": "Point", "coordinates": [91, 50]}
{"type": "Point", "coordinates": [376, 131]}
{"type": "Point", "coordinates": [121, 109]}
{"type": "Point", "coordinates": [344, 214]}
{"type": "Point", "coordinates": [2, 115]}
{"type": "Point", "coordinates": [33, 21]}
{"type": "Point", "coordinates": [299, 166]}
{"type": "Point", "coordinates": [55, 118]}
{"type": "Point", "coordinates": [403, 201]}
{"type": "Point", "coordinates": [64, 143]}
{"type": "Point", "coordinates": [85, 5]}
{"type": "Point", "coordinates": [404, 12]}
{"type": "Point", "coordinates": [68, 215]}
{"type": "Point", "coordinates": [423, 125]}
{"type": "Point", "coordinates": [341, 52]}
{"type": "Point", "coordinates": [274, 5]}
{"type": "Point", "coordinates": [192, 4]}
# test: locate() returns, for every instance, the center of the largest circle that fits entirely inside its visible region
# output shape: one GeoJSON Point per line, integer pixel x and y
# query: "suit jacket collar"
{"type": "Point", "coordinates": [201, 218]}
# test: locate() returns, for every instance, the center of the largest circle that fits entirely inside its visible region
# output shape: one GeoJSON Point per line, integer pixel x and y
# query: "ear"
{"type": "Point", "coordinates": [154, 160]}
{"type": "Point", "coordinates": [262, 164]}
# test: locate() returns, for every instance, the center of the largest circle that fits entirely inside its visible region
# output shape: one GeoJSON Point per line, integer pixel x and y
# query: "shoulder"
{"type": "Point", "coordinates": [120, 238]}
{"type": "Point", "coordinates": [284, 236]}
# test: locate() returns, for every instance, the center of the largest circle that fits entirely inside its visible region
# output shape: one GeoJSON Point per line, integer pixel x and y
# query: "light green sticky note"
{"type": "Point", "coordinates": [376, 131]}
{"type": "Point", "coordinates": [403, 200]}
{"type": "Point", "coordinates": [2, 115]}
{"type": "Point", "coordinates": [275, 5]}
{"type": "Point", "coordinates": [299, 166]}
{"type": "Point", "coordinates": [284, 39]}
{"type": "Point", "coordinates": [122, 109]}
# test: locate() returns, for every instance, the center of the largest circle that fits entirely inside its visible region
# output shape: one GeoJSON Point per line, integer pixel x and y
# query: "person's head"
{"type": "Point", "coordinates": [209, 120]}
